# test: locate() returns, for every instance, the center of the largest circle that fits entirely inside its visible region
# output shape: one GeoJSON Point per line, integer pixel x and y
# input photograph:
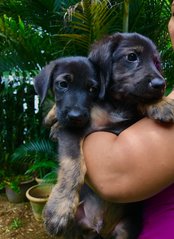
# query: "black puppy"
{"type": "Point", "coordinates": [75, 86]}
{"type": "Point", "coordinates": [128, 69]}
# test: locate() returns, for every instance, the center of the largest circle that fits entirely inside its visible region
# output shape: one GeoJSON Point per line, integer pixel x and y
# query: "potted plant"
{"type": "Point", "coordinates": [38, 196]}
{"type": "Point", "coordinates": [15, 182]}
{"type": "Point", "coordinates": [16, 187]}
{"type": "Point", "coordinates": [36, 158]}
{"type": "Point", "coordinates": [41, 159]}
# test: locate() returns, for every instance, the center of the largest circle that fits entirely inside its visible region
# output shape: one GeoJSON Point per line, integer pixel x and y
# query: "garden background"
{"type": "Point", "coordinates": [34, 32]}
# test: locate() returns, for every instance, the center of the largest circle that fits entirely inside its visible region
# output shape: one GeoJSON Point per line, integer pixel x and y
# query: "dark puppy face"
{"type": "Point", "coordinates": [75, 87]}
{"type": "Point", "coordinates": [133, 67]}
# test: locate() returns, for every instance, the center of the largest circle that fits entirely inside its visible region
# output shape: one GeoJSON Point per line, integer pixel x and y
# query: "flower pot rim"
{"type": "Point", "coordinates": [28, 181]}
{"type": "Point", "coordinates": [35, 199]}
{"type": "Point", "coordinates": [39, 180]}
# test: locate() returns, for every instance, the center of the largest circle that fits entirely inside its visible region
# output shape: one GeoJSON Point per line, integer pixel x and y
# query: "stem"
{"type": "Point", "coordinates": [126, 16]}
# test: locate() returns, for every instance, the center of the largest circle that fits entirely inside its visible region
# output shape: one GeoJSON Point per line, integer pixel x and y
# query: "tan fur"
{"type": "Point", "coordinates": [64, 198]}
{"type": "Point", "coordinates": [51, 116]}
{"type": "Point", "coordinates": [162, 110]}
{"type": "Point", "coordinates": [99, 117]}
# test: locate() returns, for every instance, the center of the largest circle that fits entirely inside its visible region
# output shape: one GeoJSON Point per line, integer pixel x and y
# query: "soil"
{"type": "Point", "coordinates": [17, 221]}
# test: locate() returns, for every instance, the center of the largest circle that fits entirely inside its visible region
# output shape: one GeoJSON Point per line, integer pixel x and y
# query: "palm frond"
{"type": "Point", "coordinates": [41, 165]}
{"type": "Point", "coordinates": [39, 157]}
{"type": "Point", "coordinates": [35, 150]}
{"type": "Point", "coordinates": [88, 21]}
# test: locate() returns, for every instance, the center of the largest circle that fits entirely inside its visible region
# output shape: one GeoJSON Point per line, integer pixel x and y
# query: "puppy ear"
{"type": "Point", "coordinates": [101, 56]}
{"type": "Point", "coordinates": [42, 82]}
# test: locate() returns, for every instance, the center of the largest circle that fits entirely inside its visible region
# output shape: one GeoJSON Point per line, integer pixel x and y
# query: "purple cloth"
{"type": "Point", "coordinates": [158, 218]}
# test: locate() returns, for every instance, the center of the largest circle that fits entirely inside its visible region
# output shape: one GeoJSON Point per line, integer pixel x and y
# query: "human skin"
{"type": "Point", "coordinates": [135, 165]}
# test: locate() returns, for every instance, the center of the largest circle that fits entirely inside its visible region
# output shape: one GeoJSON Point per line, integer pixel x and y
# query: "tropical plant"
{"type": "Point", "coordinates": [18, 107]}
{"type": "Point", "coordinates": [33, 159]}
{"type": "Point", "coordinates": [29, 42]}
{"type": "Point", "coordinates": [27, 32]}
{"type": "Point", "coordinates": [14, 181]}
{"type": "Point", "coordinates": [40, 156]}
{"type": "Point", "coordinates": [88, 21]}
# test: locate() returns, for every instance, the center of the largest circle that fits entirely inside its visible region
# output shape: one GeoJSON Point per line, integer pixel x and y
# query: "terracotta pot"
{"type": "Point", "coordinates": [17, 197]}
{"type": "Point", "coordinates": [38, 196]}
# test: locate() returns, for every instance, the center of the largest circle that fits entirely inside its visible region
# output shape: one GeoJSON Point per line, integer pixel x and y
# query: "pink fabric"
{"type": "Point", "coordinates": [158, 219]}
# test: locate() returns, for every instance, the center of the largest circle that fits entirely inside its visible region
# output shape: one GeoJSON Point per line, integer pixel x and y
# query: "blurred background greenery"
{"type": "Point", "coordinates": [33, 32]}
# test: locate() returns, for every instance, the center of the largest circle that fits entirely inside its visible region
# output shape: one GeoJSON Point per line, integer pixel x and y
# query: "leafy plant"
{"type": "Point", "coordinates": [15, 224]}
{"type": "Point", "coordinates": [19, 119]}
{"type": "Point", "coordinates": [40, 157]}
{"type": "Point", "coordinates": [88, 21]}
{"type": "Point", "coordinates": [28, 42]}
{"type": "Point", "coordinates": [13, 181]}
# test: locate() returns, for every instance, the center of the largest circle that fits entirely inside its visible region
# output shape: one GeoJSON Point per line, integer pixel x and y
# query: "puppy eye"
{"type": "Point", "coordinates": [63, 84]}
{"type": "Point", "coordinates": [93, 89]}
{"type": "Point", "coordinates": [132, 56]}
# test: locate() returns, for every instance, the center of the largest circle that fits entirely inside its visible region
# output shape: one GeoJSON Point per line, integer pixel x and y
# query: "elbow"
{"type": "Point", "coordinates": [106, 192]}
{"type": "Point", "coordinates": [107, 195]}
{"type": "Point", "coordinates": [115, 192]}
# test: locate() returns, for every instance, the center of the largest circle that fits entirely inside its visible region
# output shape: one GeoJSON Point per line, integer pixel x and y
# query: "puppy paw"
{"type": "Point", "coordinates": [59, 215]}
{"type": "Point", "coordinates": [162, 111]}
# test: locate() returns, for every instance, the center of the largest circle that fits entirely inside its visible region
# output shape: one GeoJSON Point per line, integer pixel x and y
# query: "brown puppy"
{"type": "Point", "coordinates": [128, 69]}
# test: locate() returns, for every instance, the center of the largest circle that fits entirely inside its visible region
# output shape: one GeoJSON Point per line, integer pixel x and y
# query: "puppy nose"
{"type": "Point", "coordinates": [158, 83]}
{"type": "Point", "coordinates": [77, 115]}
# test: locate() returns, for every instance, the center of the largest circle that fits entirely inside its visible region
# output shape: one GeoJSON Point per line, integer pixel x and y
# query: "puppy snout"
{"type": "Point", "coordinates": [158, 83]}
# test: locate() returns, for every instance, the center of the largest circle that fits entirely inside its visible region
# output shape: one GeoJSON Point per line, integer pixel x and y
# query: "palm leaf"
{"type": "Point", "coordinates": [38, 156]}
{"type": "Point", "coordinates": [88, 21]}
{"type": "Point", "coordinates": [34, 150]}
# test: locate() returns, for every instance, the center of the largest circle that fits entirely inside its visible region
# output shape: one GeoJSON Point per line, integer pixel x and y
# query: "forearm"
{"type": "Point", "coordinates": [136, 165]}
{"type": "Point", "coordinates": [121, 171]}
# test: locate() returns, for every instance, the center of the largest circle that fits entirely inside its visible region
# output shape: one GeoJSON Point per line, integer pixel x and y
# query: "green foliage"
{"type": "Point", "coordinates": [21, 121]}
{"type": "Point", "coordinates": [25, 38]}
{"type": "Point", "coordinates": [13, 181]}
{"type": "Point", "coordinates": [88, 21]}
{"type": "Point", "coordinates": [24, 46]}
{"type": "Point", "coordinates": [16, 223]}
{"type": "Point", "coordinates": [40, 157]}
{"type": "Point", "coordinates": [35, 32]}
{"type": "Point", "coordinates": [35, 158]}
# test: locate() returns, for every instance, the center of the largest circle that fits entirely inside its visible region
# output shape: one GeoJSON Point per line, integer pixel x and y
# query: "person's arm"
{"type": "Point", "coordinates": [133, 166]}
